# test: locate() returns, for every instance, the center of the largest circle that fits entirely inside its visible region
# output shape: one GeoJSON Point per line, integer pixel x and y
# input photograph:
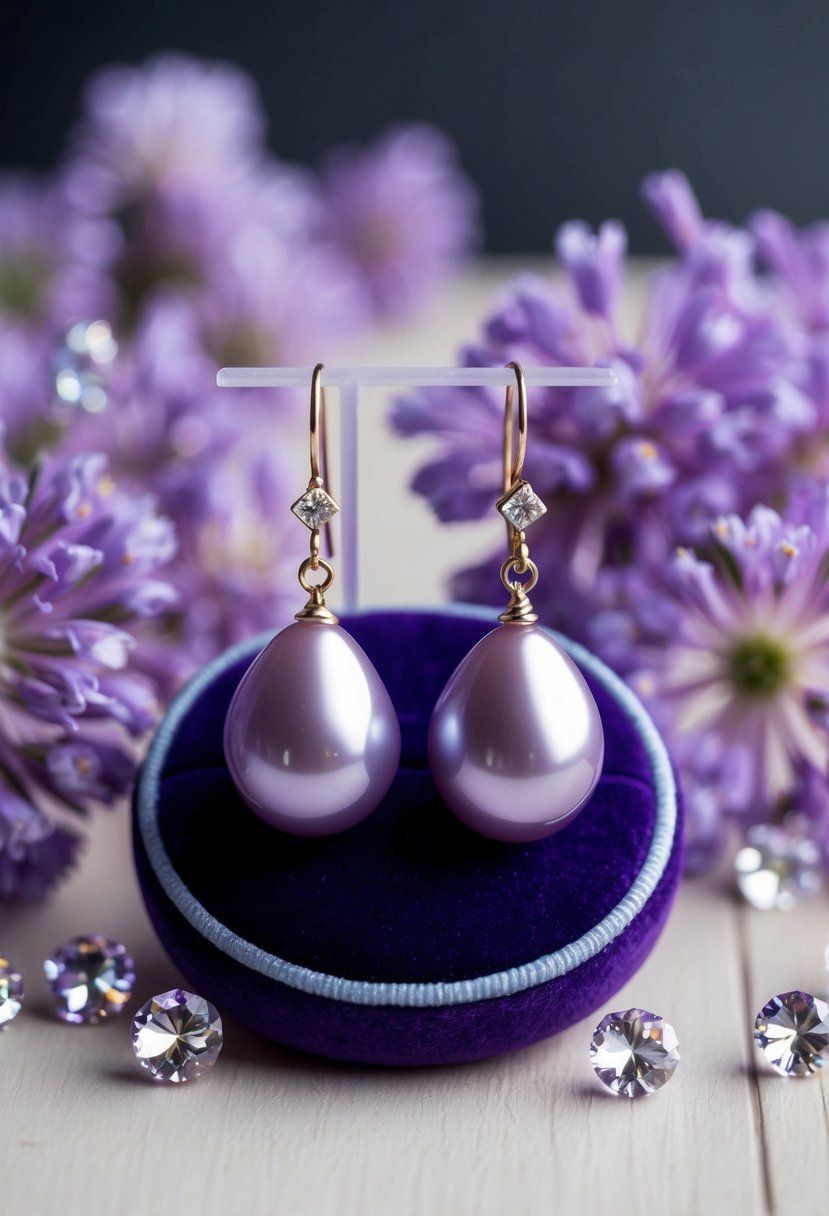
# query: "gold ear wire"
{"type": "Point", "coordinates": [513, 466]}
{"type": "Point", "coordinates": [318, 444]}
{"type": "Point", "coordinates": [520, 506]}
{"type": "Point", "coordinates": [315, 508]}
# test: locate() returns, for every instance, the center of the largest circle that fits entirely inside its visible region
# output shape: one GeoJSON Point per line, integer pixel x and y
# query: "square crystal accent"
{"type": "Point", "coordinates": [521, 506]}
{"type": "Point", "coordinates": [315, 508]}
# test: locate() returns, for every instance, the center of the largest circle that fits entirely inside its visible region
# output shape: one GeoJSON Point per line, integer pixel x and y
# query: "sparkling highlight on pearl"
{"type": "Point", "coordinates": [311, 737]}
{"type": "Point", "coordinates": [516, 742]}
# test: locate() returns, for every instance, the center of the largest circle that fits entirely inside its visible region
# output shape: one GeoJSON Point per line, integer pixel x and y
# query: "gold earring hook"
{"type": "Point", "coordinates": [514, 465]}
{"type": "Point", "coordinates": [520, 506]}
{"type": "Point", "coordinates": [315, 508]}
{"type": "Point", "coordinates": [317, 424]}
{"type": "Point", "coordinates": [318, 443]}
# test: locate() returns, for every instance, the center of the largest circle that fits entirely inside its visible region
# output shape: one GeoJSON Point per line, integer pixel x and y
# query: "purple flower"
{"type": "Point", "coordinates": [34, 851]}
{"type": "Point", "coordinates": [626, 470]}
{"type": "Point", "coordinates": [594, 263]}
{"type": "Point", "coordinates": [238, 574]}
{"type": "Point", "coordinates": [672, 200]}
{"type": "Point", "coordinates": [748, 661]}
{"type": "Point", "coordinates": [50, 271]}
{"type": "Point", "coordinates": [271, 301]}
{"type": "Point", "coordinates": [401, 213]}
{"type": "Point", "coordinates": [172, 121]}
{"type": "Point", "coordinates": [169, 166]}
{"type": "Point", "coordinates": [799, 262]}
{"type": "Point", "coordinates": [209, 458]}
{"type": "Point", "coordinates": [713, 251]}
{"type": "Point", "coordinates": [79, 579]}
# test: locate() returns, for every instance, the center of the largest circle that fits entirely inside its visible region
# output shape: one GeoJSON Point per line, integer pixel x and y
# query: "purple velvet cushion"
{"type": "Point", "coordinates": [408, 898]}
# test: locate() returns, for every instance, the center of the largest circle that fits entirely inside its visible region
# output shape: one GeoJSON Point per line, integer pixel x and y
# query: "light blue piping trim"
{"type": "Point", "coordinates": [420, 995]}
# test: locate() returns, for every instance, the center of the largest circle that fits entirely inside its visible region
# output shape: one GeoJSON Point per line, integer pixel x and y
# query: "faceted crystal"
{"type": "Point", "coordinates": [11, 992]}
{"type": "Point", "coordinates": [315, 508]}
{"type": "Point", "coordinates": [778, 866]}
{"type": "Point", "coordinates": [634, 1052]}
{"type": "Point", "coordinates": [522, 506]}
{"type": "Point", "coordinates": [176, 1036]}
{"type": "Point", "coordinates": [91, 978]}
{"type": "Point", "coordinates": [792, 1031]}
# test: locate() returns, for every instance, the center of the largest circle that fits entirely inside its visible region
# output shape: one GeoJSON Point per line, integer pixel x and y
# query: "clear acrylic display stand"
{"type": "Point", "coordinates": [349, 380]}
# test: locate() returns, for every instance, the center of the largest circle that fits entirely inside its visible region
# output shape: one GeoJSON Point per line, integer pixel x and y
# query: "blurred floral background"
{"type": "Point", "coordinates": [141, 509]}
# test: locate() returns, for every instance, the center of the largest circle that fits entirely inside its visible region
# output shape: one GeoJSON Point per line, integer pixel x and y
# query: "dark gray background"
{"type": "Point", "coordinates": [558, 109]}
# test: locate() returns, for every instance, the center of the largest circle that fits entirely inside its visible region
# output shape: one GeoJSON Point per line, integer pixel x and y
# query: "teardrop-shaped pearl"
{"type": "Point", "coordinates": [516, 742]}
{"type": "Point", "coordinates": [311, 737]}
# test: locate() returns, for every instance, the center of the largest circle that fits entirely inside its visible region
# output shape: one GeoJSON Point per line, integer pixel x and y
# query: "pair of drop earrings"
{"type": "Point", "coordinates": [312, 740]}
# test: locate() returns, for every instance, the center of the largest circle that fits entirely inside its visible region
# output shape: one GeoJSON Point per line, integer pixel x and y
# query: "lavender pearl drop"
{"type": "Point", "coordinates": [311, 737]}
{"type": "Point", "coordinates": [516, 742]}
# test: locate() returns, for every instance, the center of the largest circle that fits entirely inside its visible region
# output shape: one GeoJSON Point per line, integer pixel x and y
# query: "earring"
{"type": "Point", "coordinates": [311, 737]}
{"type": "Point", "coordinates": [515, 741]}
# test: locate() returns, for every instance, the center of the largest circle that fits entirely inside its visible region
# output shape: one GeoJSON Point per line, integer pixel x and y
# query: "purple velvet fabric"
{"type": "Point", "coordinates": [410, 894]}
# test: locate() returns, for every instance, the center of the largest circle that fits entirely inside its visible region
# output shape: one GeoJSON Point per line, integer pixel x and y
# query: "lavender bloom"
{"type": "Point", "coordinates": [269, 300]}
{"type": "Point", "coordinates": [713, 251]}
{"type": "Point", "coordinates": [210, 459]}
{"type": "Point", "coordinates": [163, 165]}
{"type": "Point", "coordinates": [34, 852]}
{"type": "Point", "coordinates": [50, 272]}
{"type": "Point", "coordinates": [747, 671]}
{"type": "Point", "coordinates": [169, 165]}
{"type": "Point", "coordinates": [627, 469]}
{"type": "Point", "coordinates": [400, 213]}
{"type": "Point", "coordinates": [79, 566]}
{"type": "Point", "coordinates": [50, 275]}
{"type": "Point", "coordinates": [240, 561]}
{"type": "Point", "coordinates": [799, 262]}
{"type": "Point", "coordinates": [172, 120]}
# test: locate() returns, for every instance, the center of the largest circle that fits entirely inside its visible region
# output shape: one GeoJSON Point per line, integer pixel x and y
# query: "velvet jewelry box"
{"type": "Point", "coordinates": [407, 939]}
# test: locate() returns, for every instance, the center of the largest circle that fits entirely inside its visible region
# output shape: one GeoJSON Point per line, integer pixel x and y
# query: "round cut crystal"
{"type": "Point", "coordinates": [778, 866]}
{"type": "Point", "coordinates": [91, 978]}
{"type": "Point", "coordinates": [11, 992]}
{"type": "Point", "coordinates": [792, 1031]}
{"type": "Point", "coordinates": [634, 1052]}
{"type": "Point", "coordinates": [176, 1036]}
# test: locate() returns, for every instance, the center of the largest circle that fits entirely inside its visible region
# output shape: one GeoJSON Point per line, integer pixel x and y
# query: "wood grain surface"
{"type": "Point", "coordinates": [272, 1133]}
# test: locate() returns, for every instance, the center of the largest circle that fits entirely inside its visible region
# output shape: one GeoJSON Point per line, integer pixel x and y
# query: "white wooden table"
{"type": "Point", "coordinates": [274, 1133]}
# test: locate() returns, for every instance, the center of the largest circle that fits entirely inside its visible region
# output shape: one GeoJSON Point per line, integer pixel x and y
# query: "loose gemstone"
{"type": "Point", "coordinates": [177, 1036]}
{"type": "Point", "coordinates": [522, 506]}
{"type": "Point", "coordinates": [634, 1053]}
{"type": "Point", "coordinates": [792, 1031]}
{"type": "Point", "coordinates": [315, 508]}
{"type": "Point", "coordinates": [91, 978]}
{"type": "Point", "coordinates": [778, 866]}
{"type": "Point", "coordinates": [11, 992]}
